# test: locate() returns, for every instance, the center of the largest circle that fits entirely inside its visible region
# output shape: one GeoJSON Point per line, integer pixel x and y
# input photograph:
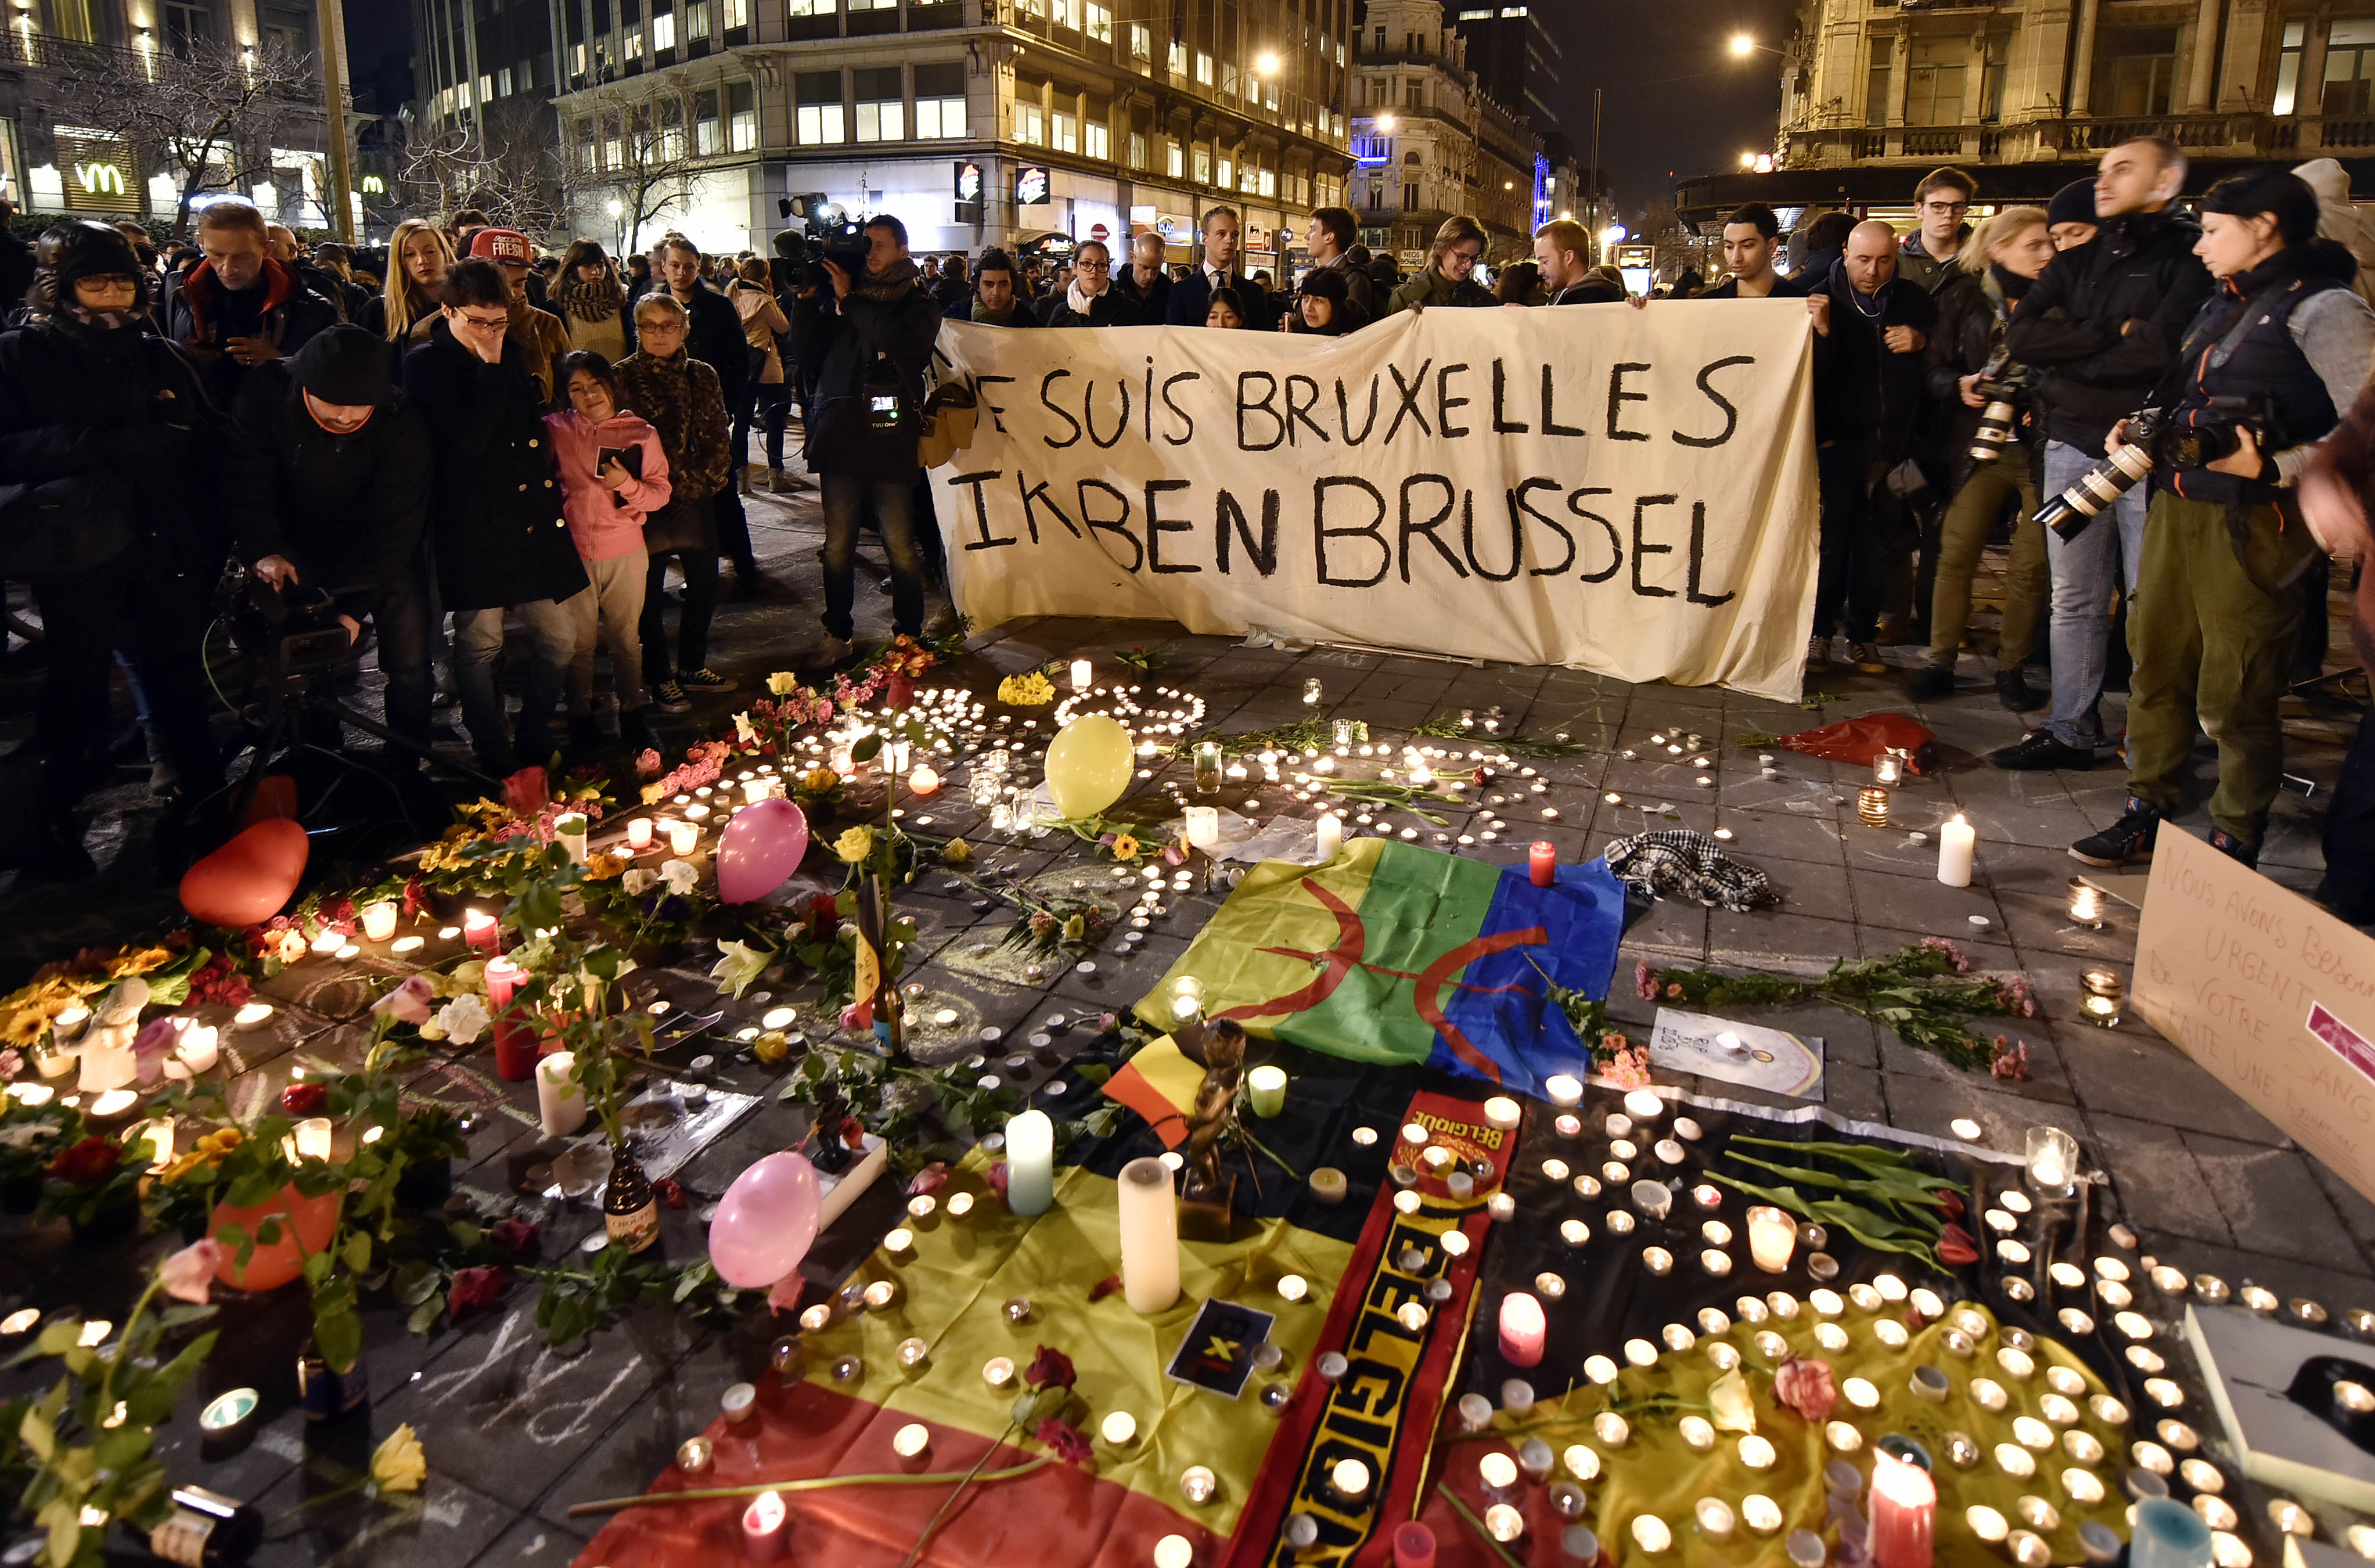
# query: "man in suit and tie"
{"type": "Point", "coordinates": [1191, 299]}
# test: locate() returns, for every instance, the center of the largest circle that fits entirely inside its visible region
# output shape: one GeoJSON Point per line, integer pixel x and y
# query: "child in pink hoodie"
{"type": "Point", "coordinates": [612, 474]}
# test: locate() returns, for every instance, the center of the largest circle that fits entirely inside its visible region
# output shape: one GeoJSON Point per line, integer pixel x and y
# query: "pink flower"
{"type": "Point", "coordinates": [517, 1237]}
{"type": "Point", "coordinates": [411, 1002]}
{"type": "Point", "coordinates": [1645, 981]}
{"type": "Point", "coordinates": [783, 1295]}
{"type": "Point", "coordinates": [858, 1016]}
{"type": "Point", "coordinates": [189, 1274]}
{"type": "Point", "coordinates": [996, 1176]}
{"type": "Point", "coordinates": [12, 1062]}
{"type": "Point", "coordinates": [2011, 1062]}
{"type": "Point", "coordinates": [1945, 947]}
{"type": "Point", "coordinates": [930, 1179]}
{"type": "Point", "coordinates": [154, 1044]}
{"type": "Point", "coordinates": [1805, 1386]}
{"type": "Point", "coordinates": [647, 763]}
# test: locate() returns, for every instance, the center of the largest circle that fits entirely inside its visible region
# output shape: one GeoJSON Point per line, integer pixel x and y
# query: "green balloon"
{"type": "Point", "coordinates": [1088, 765]}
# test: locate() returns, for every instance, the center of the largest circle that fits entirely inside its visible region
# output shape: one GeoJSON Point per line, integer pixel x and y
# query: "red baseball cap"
{"type": "Point", "coordinates": [506, 247]}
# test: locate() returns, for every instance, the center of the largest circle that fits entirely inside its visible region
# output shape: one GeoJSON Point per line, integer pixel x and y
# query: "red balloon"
{"type": "Point", "coordinates": [248, 878]}
{"type": "Point", "coordinates": [274, 1264]}
{"type": "Point", "coordinates": [275, 795]}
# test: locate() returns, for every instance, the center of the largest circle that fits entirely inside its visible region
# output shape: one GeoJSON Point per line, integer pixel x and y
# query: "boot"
{"type": "Point", "coordinates": [743, 478]}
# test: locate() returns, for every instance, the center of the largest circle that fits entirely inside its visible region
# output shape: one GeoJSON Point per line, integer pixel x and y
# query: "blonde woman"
{"type": "Point", "coordinates": [418, 256]}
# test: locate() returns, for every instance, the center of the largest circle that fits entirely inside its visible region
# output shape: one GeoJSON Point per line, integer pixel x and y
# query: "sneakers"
{"type": "Point", "coordinates": [1818, 656]}
{"type": "Point", "coordinates": [1931, 682]}
{"type": "Point", "coordinates": [833, 650]}
{"type": "Point", "coordinates": [2124, 842]}
{"type": "Point", "coordinates": [2233, 848]}
{"type": "Point", "coordinates": [2039, 751]}
{"type": "Point", "coordinates": [1866, 657]}
{"type": "Point", "coordinates": [669, 698]}
{"type": "Point", "coordinates": [703, 679]}
{"type": "Point", "coordinates": [2014, 692]}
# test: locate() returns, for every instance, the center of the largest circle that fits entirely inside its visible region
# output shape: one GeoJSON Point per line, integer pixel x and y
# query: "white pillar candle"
{"type": "Point", "coordinates": [1150, 1237]}
{"type": "Point", "coordinates": [639, 832]}
{"type": "Point", "coordinates": [1956, 841]}
{"type": "Point", "coordinates": [199, 1047]}
{"type": "Point", "coordinates": [1203, 827]}
{"type": "Point", "coordinates": [379, 920]}
{"type": "Point", "coordinates": [1031, 1163]}
{"type": "Point", "coordinates": [1080, 670]}
{"type": "Point", "coordinates": [1330, 829]}
{"type": "Point", "coordinates": [560, 1104]}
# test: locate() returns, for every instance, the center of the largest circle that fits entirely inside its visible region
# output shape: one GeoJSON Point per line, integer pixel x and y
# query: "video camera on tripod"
{"type": "Point", "coordinates": [293, 631]}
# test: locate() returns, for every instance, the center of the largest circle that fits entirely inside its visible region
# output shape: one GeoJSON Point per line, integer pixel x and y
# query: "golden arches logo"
{"type": "Point", "coordinates": [100, 179]}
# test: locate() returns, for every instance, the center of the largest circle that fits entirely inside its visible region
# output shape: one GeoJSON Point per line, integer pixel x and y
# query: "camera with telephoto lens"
{"type": "Point", "coordinates": [2069, 512]}
{"type": "Point", "coordinates": [1997, 419]}
{"type": "Point", "coordinates": [2217, 432]}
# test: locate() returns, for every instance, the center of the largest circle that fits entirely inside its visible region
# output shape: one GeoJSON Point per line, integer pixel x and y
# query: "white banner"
{"type": "Point", "coordinates": [1630, 491]}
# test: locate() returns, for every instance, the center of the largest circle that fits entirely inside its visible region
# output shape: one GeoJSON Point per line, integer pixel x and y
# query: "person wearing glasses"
{"type": "Point", "coordinates": [1941, 203]}
{"type": "Point", "coordinates": [1089, 300]}
{"type": "Point", "coordinates": [495, 515]}
{"type": "Point", "coordinates": [1449, 278]}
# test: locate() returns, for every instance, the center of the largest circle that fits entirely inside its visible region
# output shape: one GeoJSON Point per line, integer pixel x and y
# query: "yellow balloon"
{"type": "Point", "coordinates": [1088, 765]}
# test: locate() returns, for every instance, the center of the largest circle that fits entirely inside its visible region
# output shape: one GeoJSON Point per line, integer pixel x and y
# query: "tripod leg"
{"type": "Point", "coordinates": [373, 726]}
{"type": "Point", "coordinates": [279, 734]}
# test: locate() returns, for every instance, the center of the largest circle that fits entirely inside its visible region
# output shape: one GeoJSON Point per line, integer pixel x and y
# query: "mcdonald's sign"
{"type": "Point", "coordinates": [99, 174]}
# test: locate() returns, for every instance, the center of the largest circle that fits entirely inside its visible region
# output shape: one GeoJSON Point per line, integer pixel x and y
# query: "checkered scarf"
{"type": "Point", "coordinates": [1677, 862]}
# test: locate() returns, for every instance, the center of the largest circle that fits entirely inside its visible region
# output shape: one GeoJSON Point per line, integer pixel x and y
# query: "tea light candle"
{"type": "Point", "coordinates": [379, 920]}
{"type": "Point", "coordinates": [199, 1047]}
{"type": "Point", "coordinates": [763, 1527]}
{"type": "Point", "coordinates": [1266, 1090]}
{"type": "Point", "coordinates": [1756, 1453]}
{"type": "Point", "coordinates": [1031, 1164]}
{"type": "Point", "coordinates": [1871, 806]}
{"type": "Point", "coordinates": [1149, 1236]}
{"type": "Point", "coordinates": [1644, 1106]}
{"type": "Point", "coordinates": [1715, 1520]}
{"type": "Point", "coordinates": [924, 781]}
{"type": "Point", "coordinates": [1351, 1479]}
{"type": "Point", "coordinates": [1119, 1429]}
{"type": "Point", "coordinates": [997, 1372]}
{"type": "Point", "coordinates": [683, 837]}
{"type": "Point", "coordinates": [639, 832]}
{"type": "Point", "coordinates": [1958, 841]}
{"type": "Point", "coordinates": [2100, 1002]}
{"type": "Point", "coordinates": [1772, 1238]}
{"type": "Point", "coordinates": [1330, 830]}
{"type": "Point", "coordinates": [2085, 904]}
{"type": "Point", "coordinates": [1081, 671]}
{"type": "Point", "coordinates": [1888, 768]}
{"type": "Point", "coordinates": [2053, 1162]}
{"type": "Point", "coordinates": [481, 930]}
{"type": "Point", "coordinates": [1564, 1091]}
{"type": "Point", "coordinates": [912, 1446]}
{"type": "Point", "coordinates": [1523, 1330]}
{"type": "Point", "coordinates": [1542, 862]}
{"type": "Point", "coordinates": [313, 1136]}
{"type": "Point", "coordinates": [1650, 1534]}
{"type": "Point", "coordinates": [1503, 1113]}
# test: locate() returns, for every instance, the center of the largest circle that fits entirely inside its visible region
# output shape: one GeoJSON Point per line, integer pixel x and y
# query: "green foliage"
{"type": "Point", "coordinates": [578, 1300]}
{"type": "Point", "coordinates": [1888, 1204]}
{"type": "Point", "coordinates": [834, 957]}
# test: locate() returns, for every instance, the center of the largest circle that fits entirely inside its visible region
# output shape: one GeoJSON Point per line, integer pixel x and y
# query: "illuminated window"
{"type": "Point", "coordinates": [2288, 65]}
{"type": "Point", "coordinates": [1174, 161]}
{"type": "Point", "coordinates": [939, 101]}
{"type": "Point", "coordinates": [696, 21]}
{"type": "Point", "coordinates": [1141, 42]}
{"type": "Point", "coordinates": [741, 117]}
{"type": "Point", "coordinates": [664, 31]}
{"type": "Point", "coordinates": [1068, 133]}
{"type": "Point", "coordinates": [1096, 140]}
{"type": "Point", "coordinates": [882, 106]}
{"type": "Point", "coordinates": [1203, 68]}
{"type": "Point", "coordinates": [1100, 21]}
{"type": "Point", "coordinates": [816, 117]}
{"type": "Point", "coordinates": [2350, 66]}
{"type": "Point", "coordinates": [1030, 123]}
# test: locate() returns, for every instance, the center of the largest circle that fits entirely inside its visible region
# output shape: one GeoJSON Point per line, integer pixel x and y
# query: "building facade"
{"type": "Point", "coordinates": [2028, 93]}
{"type": "Point", "coordinates": [1431, 142]}
{"type": "Point", "coordinates": [977, 123]}
{"type": "Point", "coordinates": [58, 54]}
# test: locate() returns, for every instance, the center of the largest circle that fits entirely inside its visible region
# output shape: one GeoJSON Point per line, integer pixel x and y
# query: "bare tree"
{"type": "Point", "coordinates": [209, 112]}
{"type": "Point", "coordinates": [630, 143]}
{"type": "Point", "coordinates": [503, 162]}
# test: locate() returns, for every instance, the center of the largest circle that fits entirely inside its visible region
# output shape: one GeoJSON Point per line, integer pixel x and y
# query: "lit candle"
{"type": "Point", "coordinates": [1351, 1479]}
{"type": "Point", "coordinates": [1956, 841]}
{"type": "Point", "coordinates": [1564, 1090]}
{"type": "Point", "coordinates": [1542, 861]}
{"type": "Point", "coordinates": [1150, 1237]}
{"type": "Point", "coordinates": [560, 1104]}
{"type": "Point", "coordinates": [923, 781]}
{"type": "Point", "coordinates": [313, 1138]}
{"type": "Point", "coordinates": [1119, 1429]}
{"type": "Point", "coordinates": [481, 930]}
{"type": "Point", "coordinates": [379, 920]}
{"type": "Point", "coordinates": [1888, 768]}
{"type": "Point", "coordinates": [1904, 1500]}
{"type": "Point", "coordinates": [1030, 1163]}
{"type": "Point", "coordinates": [114, 1104]}
{"type": "Point", "coordinates": [200, 1047]}
{"type": "Point", "coordinates": [1772, 1237]}
{"type": "Point", "coordinates": [763, 1527]}
{"type": "Point", "coordinates": [2053, 1162]}
{"type": "Point", "coordinates": [1081, 672]}
{"type": "Point", "coordinates": [1871, 806]}
{"type": "Point", "coordinates": [1203, 827]}
{"type": "Point", "coordinates": [2085, 904]}
{"type": "Point", "coordinates": [514, 1040]}
{"type": "Point", "coordinates": [912, 1446]}
{"type": "Point", "coordinates": [159, 1135]}
{"type": "Point", "coordinates": [1644, 1106]}
{"type": "Point", "coordinates": [1503, 1113]}
{"type": "Point", "coordinates": [683, 837]}
{"type": "Point", "coordinates": [569, 830]}
{"type": "Point", "coordinates": [1266, 1088]}
{"type": "Point", "coordinates": [1330, 829]}
{"type": "Point", "coordinates": [251, 1014]}
{"type": "Point", "coordinates": [639, 832]}
{"type": "Point", "coordinates": [1523, 1330]}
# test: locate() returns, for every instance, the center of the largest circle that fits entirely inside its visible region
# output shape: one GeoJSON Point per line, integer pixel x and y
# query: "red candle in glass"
{"type": "Point", "coordinates": [1904, 1503]}
{"type": "Point", "coordinates": [1413, 1545]}
{"type": "Point", "coordinates": [1523, 1330]}
{"type": "Point", "coordinates": [1544, 860]}
{"type": "Point", "coordinates": [515, 1051]}
{"type": "Point", "coordinates": [483, 931]}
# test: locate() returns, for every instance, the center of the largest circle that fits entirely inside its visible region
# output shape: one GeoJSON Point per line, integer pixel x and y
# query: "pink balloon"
{"type": "Point", "coordinates": [766, 1220]}
{"type": "Point", "coordinates": [761, 847]}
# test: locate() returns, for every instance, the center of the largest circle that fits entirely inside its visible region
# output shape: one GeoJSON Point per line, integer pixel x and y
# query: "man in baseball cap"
{"type": "Point", "coordinates": [539, 334]}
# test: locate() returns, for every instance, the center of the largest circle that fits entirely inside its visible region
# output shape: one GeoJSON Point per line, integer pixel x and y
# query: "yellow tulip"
{"type": "Point", "coordinates": [397, 1465]}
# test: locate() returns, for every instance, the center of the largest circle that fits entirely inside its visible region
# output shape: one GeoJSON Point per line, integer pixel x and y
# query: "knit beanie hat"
{"type": "Point", "coordinates": [2074, 203]}
{"type": "Point", "coordinates": [84, 249]}
{"type": "Point", "coordinates": [346, 365]}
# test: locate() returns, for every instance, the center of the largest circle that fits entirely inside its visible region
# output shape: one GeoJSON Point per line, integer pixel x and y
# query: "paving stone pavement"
{"type": "Point", "coordinates": [516, 1432]}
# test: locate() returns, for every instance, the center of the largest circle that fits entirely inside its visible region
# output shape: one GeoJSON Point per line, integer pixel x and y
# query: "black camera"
{"type": "Point", "coordinates": [1997, 420]}
{"type": "Point", "coordinates": [2217, 432]}
{"type": "Point", "coordinates": [2069, 512]}
{"type": "Point", "coordinates": [294, 630]}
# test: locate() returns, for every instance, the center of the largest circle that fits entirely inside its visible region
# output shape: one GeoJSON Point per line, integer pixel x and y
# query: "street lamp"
{"type": "Point", "coordinates": [1386, 123]}
{"type": "Point", "coordinates": [1742, 46]}
{"type": "Point", "coordinates": [1748, 160]}
{"type": "Point", "coordinates": [1613, 234]}
{"type": "Point", "coordinates": [615, 206]}
{"type": "Point", "coordinates": [1266, 64]}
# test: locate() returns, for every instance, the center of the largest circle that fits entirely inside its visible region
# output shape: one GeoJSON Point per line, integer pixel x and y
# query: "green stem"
{"type": "Point", "coordinates": [819, 1483]}
{"type": "Point", "coordinates": [107, 1382]}
{"type": "Point", "coordinates": [940, 1512]}
{"type": "Point", "coordinates": [1478, 1525]}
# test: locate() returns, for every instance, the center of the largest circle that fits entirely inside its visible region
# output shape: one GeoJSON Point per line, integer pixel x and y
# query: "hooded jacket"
{"type": "Point", "coordinates": [2102, 325]}
{"type": "Point", "coordinates": [349, 510]}
{"type": "Point", "coordinates": [495, 509]}
{"type": "Point", "coordinates": [878, 340]}
{"type": "Point", "coordinates": [604, 523]}
{"type": "Point", "coordinates": [289, 315]}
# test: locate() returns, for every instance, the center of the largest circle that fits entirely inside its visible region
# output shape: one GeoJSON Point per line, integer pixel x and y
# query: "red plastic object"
{"type": "Point", "coordinates": [1858, 741]}
{"type": "Point", "coordinates": [306, 1226]}
{"type": "Point", "coordinates": [275, 795]}
{"type": "Point", "coordinates": [1413, 1545]}
{"type": "Point", "coordinates": [248, 879]}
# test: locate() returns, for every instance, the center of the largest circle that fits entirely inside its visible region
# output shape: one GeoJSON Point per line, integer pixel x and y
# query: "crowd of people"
{"type": "Point", "coordinates": [462, 435]}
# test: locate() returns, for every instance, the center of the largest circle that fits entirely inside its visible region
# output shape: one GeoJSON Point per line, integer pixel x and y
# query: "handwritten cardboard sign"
{"type": "Point", "coordinates": [2270, 993]}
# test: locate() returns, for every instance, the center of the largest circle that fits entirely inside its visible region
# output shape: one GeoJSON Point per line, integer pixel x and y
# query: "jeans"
{"type": "Point", "coordinates": [478, 643]}
{"type": "Point", "coordinates": [765, 404]}
{"type": "Point", "coordinates": [1975, 509]}
{"type": "Point", "coordinates": [2084, 571]}
{"type": "Point", "coordinates": [159, 617]}
{"type": "Point", "coordinates": [692, 623]}
{"type": "Point", "coordinates": [733, 531]}
{"type": "Point", "coordinates": [609, 611]}
{"type": "Point", "coordinates": [1853, 572]}
{"type": "Point", "coordinates": [399, 616]}
{"type": "Point", "coordinates": [845, 496]}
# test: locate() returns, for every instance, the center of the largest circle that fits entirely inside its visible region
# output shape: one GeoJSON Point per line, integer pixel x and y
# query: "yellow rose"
{"type": "Point", "coordinates": [397, 1465]}
{"type": "Point", "coordinates": [783, 683]}
{"type": "Point", "coordinates": [651, 794]}
{"type": "Point", "coordinates": [854, 846]}
{"type": "Point", "coordinates": [819, 780]}
{"type": "Point", "coordinates": [958, 853]}
{"type": "Point", "coordinates": [771, 1047]}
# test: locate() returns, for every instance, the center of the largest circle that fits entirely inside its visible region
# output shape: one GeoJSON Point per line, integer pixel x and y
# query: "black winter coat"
{"type": "Point", "coordinates": [495, 511]}
{"type": "Point", "coordinates": [1965, 343]}
{"type": "Point", "coordinates": [842, 338]}
{"type": "Point", "coordinates": [1147, 309]}
{"type": "Point", "coordinates": [717, 340]}
{"type": "Point", "coordinates": [1108, 309]}
{"type": "Point", "coordinates": [126, 408]}
{"type": "Point", "coordinates": [292, 315]}
{"type": "Point", "coordinates": [1864, 393]}
{"type": "Point", "coordinates": [349, 511]}
{"type": "Point", "coordinates": [2139, 274]}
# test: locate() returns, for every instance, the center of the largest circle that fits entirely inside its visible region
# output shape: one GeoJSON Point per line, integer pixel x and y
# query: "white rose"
{"type": "Point", "coordinates": [463, 1018]}
{"type": "Point", "coordinates": [638, 880]}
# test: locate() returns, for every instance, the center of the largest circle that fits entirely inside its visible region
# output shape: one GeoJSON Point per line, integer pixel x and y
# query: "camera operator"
{"type": "Point", "coordinates": [2096, 332]}
{"type": "Point", "coordinates": [329, 480]}
{"type": "Point", "coordinates": [106, 423]}
{"type": "Point", "coordinates": [870, 341]}
{"type": "Point", "coordinates": [2283, 345]}
{"type": "Point", "coordinates": [1969, 368]}
{"type": "Point", "coordinates": [495, 511]}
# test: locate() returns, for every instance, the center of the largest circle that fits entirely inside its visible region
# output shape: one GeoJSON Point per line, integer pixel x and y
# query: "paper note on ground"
{"type": "Point", "coordinates": [1771, 1059]}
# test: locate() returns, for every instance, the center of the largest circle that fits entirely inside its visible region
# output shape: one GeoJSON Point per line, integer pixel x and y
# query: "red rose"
{"type": "Point", "coordinates": [1805, 1386]}
{"type": "Point", "coordinates": [998, 1176]}
{"type": "Point", "coordinates": [1066, 1440]}
{"type": "Point", "coordinates": [517, 1237]}
{"type": "Point", "coordinates": [303, 1099]}
{"type": "Point", "coordinates": [526, 792]}
{"type": "Point", "coordinates": [930, 1179]}
{"type": "Point", "coordinates": [671, 1191]}
{"type": "Point", "coordinates": [1050, 1368]}
{"type": "Point", "coordinates": [475, 1288]}
{"type": "Point", "coordinates": [902, 691]}
{"type": "Point", "coordinates": [88, 1164]}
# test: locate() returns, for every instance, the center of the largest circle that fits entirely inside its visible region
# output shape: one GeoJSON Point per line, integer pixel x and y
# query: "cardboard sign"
{"type": "Point", "coordinates": [2270, 993]}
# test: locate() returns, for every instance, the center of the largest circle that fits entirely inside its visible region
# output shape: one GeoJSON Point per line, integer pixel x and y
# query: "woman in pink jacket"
{"type": "Point", "coordinates": [612, 474]}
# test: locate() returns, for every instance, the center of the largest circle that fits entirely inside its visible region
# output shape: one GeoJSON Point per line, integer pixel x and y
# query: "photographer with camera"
{"type": "Point", "coordinates": [870, 340]}
{"type": "Point", "coordinates": [107, 442]}
{"type": "Point", "coordinates": [1988, 446]}
{"type": "Point", "coordinates": [495, 515]}
{"type": "Point", "coordinates": [329, 484]}
{"type": "Point", "coordinates": [2096, 332]}
{"type": "Point", "coordinates": [2264, 372]}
